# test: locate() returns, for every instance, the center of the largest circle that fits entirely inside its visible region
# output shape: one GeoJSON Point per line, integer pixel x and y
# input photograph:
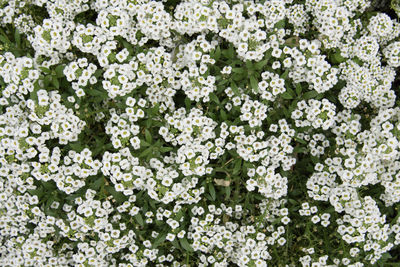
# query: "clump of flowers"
{"type": "Point", "coordinates": [199, 133]}
{"type": "Point", "coordinates": [315, 113]}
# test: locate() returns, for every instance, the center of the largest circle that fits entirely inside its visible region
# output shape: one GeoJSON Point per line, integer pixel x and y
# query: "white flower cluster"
{"type": "Point", "coordinates": [238, 239]}
{"type": "Point", "coordinates": [370, 83]}
{"type": "Point", "coordinates": [194, 17]}
{"type": "Point", "coordinates": [48, 110]}
{"type": "Point", "coordinates": [375, 162]}
{"type": "Point", "coordinates": [197, 139]}
{"type": "Point", "coordinates": [270, 154]}
{"type": "Point", "coordinates": [196, 83]}
{"type": "Point", "coordinates": [363, 223]}
{"type": "Point", "coordinates": [124, 171]}
{"type": "Point", "coordinates": [315, 113]}
{"type": "Point", "coordinates": [20, 76]}
{"type": "Point", "coordinates": [333, 19]}
{"type": "Point", "coordinates": [80, 73]}
{"type": "Point", "coordinates": [119, 79]}
{"type": "Point", "coordinates": [253, 111]}
{"type": "Point", "coordinates": [307, 65]}
{"type": "Point", "coordinates": [317, 143]}
{"type": "Point", "coordinates": [383, 27]}
{"type": "Point", "coordinates": [67, 9]}
{"type": "Point", "coordinates": [156, 69]}
{"type": "Point", "coordinates": [392, 54]}
{"type": "Point", "coordinates": [271, 86]}
{"type": "Point", "coordinates": [122, 129]}
{"type": "Point", "coordinates": [52, 37]}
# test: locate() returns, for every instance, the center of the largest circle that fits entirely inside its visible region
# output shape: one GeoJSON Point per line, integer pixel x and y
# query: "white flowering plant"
{"type": "Point", "coordinates": [199, 133]}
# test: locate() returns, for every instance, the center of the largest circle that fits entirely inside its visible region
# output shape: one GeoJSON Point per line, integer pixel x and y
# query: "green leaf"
{"type": "Point", "coordinates": [152, 203]}
{"type": "Point", "coordinates": [292, 106]}
{"type": "Point", "coordinates": [224, 81]}
{"type": "Point", "coordinates": [160, 238]}
{"type": "Point", "coordinates": [36, 192]}
{"type": "Point", "coordinates": [55, 82]}
{"type": "Point", "coordinates": [249, 65]}
{"type": "Point", "coordinates": [229, 53]}
{"type": "Point", "coordinates": [45, 70]}
{"type": "Point", "coordinates": [239, 77]}
{"type": "Point", "coordinates": [146, 152]}
{"type": "Point", "coordinates": [217, 54]}
{"type": "Point", "coordinates": [179, 215]}
{"type": "Point", "coordinates": [285, 112]}
{"type": "Point", "coordinates": [286, 95]}
{"type": "Point", "coordinates": [309, 95]}
{"type": "Point", "coordinates": [228, 192]}
{"type": "Point", "coordinates": [50, 185]}
{"type": "Point", "coordinates": [301, 141]}
{"type": "Point", "coordinates": [384, 257]}
{"type": "Point", "coordinates": [118, 196]}
{"type": "Point", "coordinates": [259, 65]}
{"type": "Point", "coordinates": [47, 80]}
{"type": "Point", "coordinates": [95, 92]}
{"type": "Point", "coordinates": [338, 58]}
{"type": "Point", "coordinates": [285, 74]}
{"type": "Point", "coordinates": [166, 149]}
{"type": "Point", "coordinates": [17, 37]}
{"type": "Point", "coordinates": [296, 192]}
{"type": "Point", "coordinates": [234, 88]}
{"type": "Point", "coordinates": [219, 169]}
{"type": "Point", "coordinates": [176, 243]}
{"type": "Point", "coordinates": [60, 71]}
{"type": "Point", "coordinates": [188, 104]}
{"type": "Point", "coordinates": [143, 143]}
{"type": "Point", "coordinates": [280, 24]}
{"type": "Point", "coordinates": [49, 201]}
{"type": "Point", "coordinates": [139, 219]}
{"type": "Point", "coordinates": [223, 114]}
{"type": "Point", "coordinates": [237, 167]}
{"type": "Point", "coordinates": [298, 89]}
{"type": "Point", "coordinates": [211, 189]}
{"type": "Point", "coordinates": [98, 183]}
{"type": "Point", "coordinates": [76, 146]}
{"type": "Point", "coordinates": [268, 54]}
{"type": "Point", "coordinates": [254, 83]}
{"type": "Point", "coordinates": [208, 197]}
{"type": "Point", "coordinates": [148, 136]}
{"type": "Point", "coordinates": [98, 73]}
{"type": "Point", "coordinates": [185, 244]}
{"type": "Point", "coordinates": [157, 144]}
{"type": "Point", "coordinates": [214, 98]}
{"type": "Point", "coordinates": [128, 46]}
{"type": "Point", "coordinates": [246, 201]}
{"type": "Point", "coordinates": [299, 149]}
{"type": "Point", "coordinates": [4, 40]}
{"type": "Point", "coordinates": [238, 70]}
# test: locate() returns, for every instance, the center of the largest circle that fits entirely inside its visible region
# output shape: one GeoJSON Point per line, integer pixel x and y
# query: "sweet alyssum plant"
{"type": "Point", "coordinates": [198, 133]}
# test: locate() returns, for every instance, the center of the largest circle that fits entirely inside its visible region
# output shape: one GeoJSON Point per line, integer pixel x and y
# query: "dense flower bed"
{"type": "Point", "coordinates": [199, 133]}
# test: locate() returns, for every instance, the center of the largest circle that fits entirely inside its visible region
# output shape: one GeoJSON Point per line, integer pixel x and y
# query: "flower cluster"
{"type": "Point", "coordinates": [20, 76]}
{"type": "Point", "coordinates": [315, 113]}
{"type": "Point", "coordinates": [52, 37]}
{"type": "Point", "coordinates": [80, 73]}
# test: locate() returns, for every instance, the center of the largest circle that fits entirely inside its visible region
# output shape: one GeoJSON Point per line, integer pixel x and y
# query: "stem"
{"type": "Point", "coordinates": [226, 163]}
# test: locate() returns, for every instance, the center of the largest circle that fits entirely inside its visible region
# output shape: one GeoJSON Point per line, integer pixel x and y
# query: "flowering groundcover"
{"type": "Point", "coordinates": [199, 133]}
